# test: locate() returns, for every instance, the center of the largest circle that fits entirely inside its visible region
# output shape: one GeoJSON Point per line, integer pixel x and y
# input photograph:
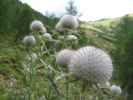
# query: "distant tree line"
{"type": "Point", "coordinates": [15, 18]}
{"type": "Point", "coordinates": [123, 54]}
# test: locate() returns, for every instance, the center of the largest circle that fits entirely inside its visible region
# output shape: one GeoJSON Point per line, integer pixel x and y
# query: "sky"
{"type": "Point", "coordinates": [90, 9]}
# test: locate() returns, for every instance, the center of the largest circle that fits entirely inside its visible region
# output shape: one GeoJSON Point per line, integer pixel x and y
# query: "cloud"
{"type": "Point", "coordinates": [52, 6]}
{"type": "Point", "coordinates": [90, 9]}
{"type": "Point", "coordinates": [97, 9]}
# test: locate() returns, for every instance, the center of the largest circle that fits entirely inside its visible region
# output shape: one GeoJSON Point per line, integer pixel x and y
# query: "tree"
{"type": "Point", "coordinates": [24, 19]}
{"type": "Point", "coordinates": [124, 54]}
{"type": "Point", "coordinates": [71, 8]}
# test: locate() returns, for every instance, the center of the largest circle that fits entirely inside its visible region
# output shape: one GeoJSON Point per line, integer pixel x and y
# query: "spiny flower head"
{"type": "Point", "coordinates": [43, 30]}
{"type": "Point", "coordinates": [116, 89]}
{"type": "Point", "coordinates": [29, 40]}
{"type": "Point", "coordinates": [92, 64]}
{"type": "Point", "coordinates": [59, 27]}
{"type": "Point", "coordinates": [63, 57]}
{"type": "Point", "coordinates": [67, 21]}
{"type": "Point", "coordinates": [32, 57]}
{"type": "Point", "coordinates": [47, 36]}
{"type": "Point", "coordinates": [37, 26]}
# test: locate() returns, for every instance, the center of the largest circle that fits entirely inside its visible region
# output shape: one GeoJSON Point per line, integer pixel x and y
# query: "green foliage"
{"type": "Point", "coordinates": [15, 18]}
{"type": "Point", "coordinates": [24, 20]}
{"type": "Point", "coordinates": [124, 53]}
{"type": "Point", "coordinates": [8, 12]}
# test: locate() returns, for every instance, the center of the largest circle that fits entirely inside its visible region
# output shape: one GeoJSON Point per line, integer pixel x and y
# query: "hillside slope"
{"type": "Point", "coordinates": [15, 18]}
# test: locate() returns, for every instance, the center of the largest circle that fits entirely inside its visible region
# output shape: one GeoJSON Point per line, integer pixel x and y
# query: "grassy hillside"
{"type": "Point", "coordinates": [118, 32]}
{"type": "Point", "coordinates": [15, 18]}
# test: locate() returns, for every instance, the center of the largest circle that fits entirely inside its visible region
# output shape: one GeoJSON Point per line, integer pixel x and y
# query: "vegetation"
{"type": "Point", "coordinates": [15, 18]}
{"type": "Point", "coordinates": [124, 54]}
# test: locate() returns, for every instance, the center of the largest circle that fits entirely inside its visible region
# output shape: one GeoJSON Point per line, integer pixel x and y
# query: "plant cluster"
{"type": "Point", "coordinates": [61, 65]}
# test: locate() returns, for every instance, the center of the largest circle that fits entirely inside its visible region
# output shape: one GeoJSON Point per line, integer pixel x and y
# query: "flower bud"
{"type": "Point", "coordinates": [29, 40]}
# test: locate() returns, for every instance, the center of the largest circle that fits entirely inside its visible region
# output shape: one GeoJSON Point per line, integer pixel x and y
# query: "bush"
{"type": "Point", "coordinates": [124, 54]}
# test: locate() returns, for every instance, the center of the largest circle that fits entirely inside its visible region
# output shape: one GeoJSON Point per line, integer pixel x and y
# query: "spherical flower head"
{"type": "Point", "coordinates": [72, 37]}
{"type": "Point", "coordinates": [91, 64]}
{"type": "Point", "coordinates": [63, 57]}
{"type": "Point", "coordinates": [67, 21]}
{"type": "Point", "coordinates": [47, 36]}
{"type": "Point", "coordinates": [32, 57]}
{"type": "Point", "coordinates": [116, 89]}
{"type": "Point", "coordinates": [37, 26]}
{"type": "Point", "coordinates": [43, 30]}
{"type": "Point", "coordinates": [29, 40]}
{"type": "Point", "coordinates": [59, 27]}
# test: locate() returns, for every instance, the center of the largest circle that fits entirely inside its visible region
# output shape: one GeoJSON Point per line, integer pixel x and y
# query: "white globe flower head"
{"type": "Point", "coordinates": [59, 27]}
{"type": "Point", "coordinates": [32, 57]}
{"type": "Point", "coordinates": [47, 36]}
{"type": "Point", "coordinates": [37, 26]}
{"type": "Point", "coordinates": [43, 30]}
{"type": "Point", "coordinates": [91, 64]}
{"type": "Point", "coordinates": [67, 21]}
{"type": "Point", "coordinates": [116, 89]}
{"type": "Point", "coordinates": [63, 57]}
{"type": "Point", "coordinates": [72, 37]}
{"type": "Point", "coordinates": [29, 40]}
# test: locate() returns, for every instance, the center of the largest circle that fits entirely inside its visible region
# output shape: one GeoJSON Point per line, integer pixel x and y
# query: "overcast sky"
{"type": "Point", "coordinates": [90, 9]}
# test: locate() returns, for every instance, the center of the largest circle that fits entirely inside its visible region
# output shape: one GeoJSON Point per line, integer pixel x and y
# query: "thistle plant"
{"type": "Point", "coordinates": [67, 22]}
{"type": "Point", "coordinates": [116, 90]}
{"type": "Point", "coordinates": [47, 36]}
{"type": "Point", "coordinates": [37, 26]}
{"type": "Point", "coordinates": [67, 27]}
{"type": "Point", "coordinates": [36, 64]}
{"type": "Point", "coordinates": [29, 40]}
{"type": "Point", "coordinates": [64, 56]}
{"type": "Point", "coordinates": [67, 72]}
{"type": "Point", "coordinates": [72, 41]}
{"type": "Point", "coordinates": [91, 64]}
